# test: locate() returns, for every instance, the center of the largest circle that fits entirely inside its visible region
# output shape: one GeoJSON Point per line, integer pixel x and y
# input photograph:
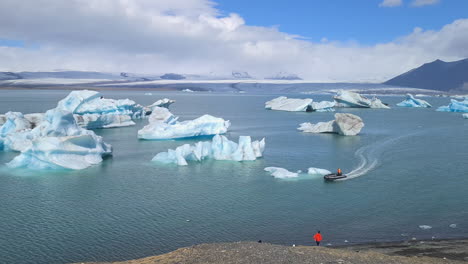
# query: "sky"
{"type": "Point", "coordinates": [319, 40]}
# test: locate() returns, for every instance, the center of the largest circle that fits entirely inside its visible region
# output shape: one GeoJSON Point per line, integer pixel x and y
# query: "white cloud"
{"type": "Point", "coordinates": [190, 36]}
{"type": "Point", "coordinates": [419, 3]}
{"type": "Point", "coordinates": [391, 3]}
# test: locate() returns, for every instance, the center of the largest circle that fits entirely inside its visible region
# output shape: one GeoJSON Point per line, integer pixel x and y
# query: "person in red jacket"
{"type": "Point", "coordinates": [318, 238]}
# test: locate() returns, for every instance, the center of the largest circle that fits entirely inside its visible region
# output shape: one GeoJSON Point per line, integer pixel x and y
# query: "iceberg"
{"type": "Point", "coordinates": [283, 103]}
{"type": "Point", "coordinates": [220, 148]}
{"type": "Point", "coordinates": [164, 125]}
{"type": "Point", "coordinates": [34, 118]}
{"type": "Point", "coordinates": [351, 99]}
{"type": "Point", "coordinates": [455, 106]}
{"type": "Point", "coordinates": [281, 173]}
{"type": "Point", "coordinates": [159, 103]}
{"type": "Point", "coordinates": [58, 143]}
{"type": "Point", "coordinates": [317, 171]}
{"type": "Point", "coordinates": [465, 116]}
{"type": "Point", "coordinates": [15, 123]}
{"type": "Point", "coordinates": [410, 101]}
{"type": "Point", "coordinates": [344, 124]}
{"type": "Point", "coordinates": [99, 112]}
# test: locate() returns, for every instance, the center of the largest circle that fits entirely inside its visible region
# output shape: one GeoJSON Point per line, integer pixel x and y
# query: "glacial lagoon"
{"type": "Point", "coordinates": [409, 170]}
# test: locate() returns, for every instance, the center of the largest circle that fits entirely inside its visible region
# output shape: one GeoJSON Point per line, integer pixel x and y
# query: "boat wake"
{"type": "Point", "coordinates": [369, 156]}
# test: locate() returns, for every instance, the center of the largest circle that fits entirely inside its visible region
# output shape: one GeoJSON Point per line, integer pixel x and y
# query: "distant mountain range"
{"type": "Point", "coordinates": [436, 75]}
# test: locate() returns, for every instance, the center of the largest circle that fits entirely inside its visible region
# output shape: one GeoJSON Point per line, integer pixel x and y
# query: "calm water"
{"type": "Point", "coordinates": [413, 161]}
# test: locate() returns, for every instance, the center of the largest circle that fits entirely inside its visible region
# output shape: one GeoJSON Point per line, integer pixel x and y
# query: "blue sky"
{"type": "Point", "coordinates": [367, 42]}
{"type": "Point", "coordinates": [363, 21]}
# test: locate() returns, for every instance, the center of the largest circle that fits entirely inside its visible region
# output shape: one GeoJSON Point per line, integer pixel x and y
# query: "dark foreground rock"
{"type": "Point", "coordinates": [252, 252]}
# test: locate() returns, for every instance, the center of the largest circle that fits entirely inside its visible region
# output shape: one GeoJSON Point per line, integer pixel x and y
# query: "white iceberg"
{"type": "Point", "coordinates": [220, 148]}
{"type": "Point", "coordinates": [187, 91]}
{"type": "Point", "coordinates": [281, 173]}
{"type": "Point", "coordinates": [344, 124]}
{"type": "Point", "coordinates": [425, 227]}
{"type": "Point", "coordinates": [351, 99]}
{"type": "Point", "coordinates": [410, 101]}
{"type": "Point", "coordinates": [159, 103]}
{"type": "Point", "coordinates": [318, 171]}
{"type": "Point", "coordinates": [163, 125]}
{"type": "Point", "coordinates": [455, 106]}
{"type": "Point", "coordinates": [58, 143]}
{"type": "Point", "coordinates": [283, 103]}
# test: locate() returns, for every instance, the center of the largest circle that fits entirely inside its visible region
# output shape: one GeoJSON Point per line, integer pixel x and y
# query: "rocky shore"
{"type": "Point", "coordinates": [427, 252]}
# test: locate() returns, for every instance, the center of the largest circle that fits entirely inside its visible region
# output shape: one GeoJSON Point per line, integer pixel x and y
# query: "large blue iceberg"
{"type": "Point", "coordinates": [57, 143]}
{"type": "Point", "coordinates": [410, 101]}
{"type": "Point", "coordinates": [220, 148]}
{"type": "Point", "coordinates": [163, 125]}
{"type": "Point", "coordinates": [455, 106]}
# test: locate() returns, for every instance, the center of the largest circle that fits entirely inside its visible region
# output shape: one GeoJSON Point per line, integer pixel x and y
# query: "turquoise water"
{"type": "Point", "coordinates": [412, 171]}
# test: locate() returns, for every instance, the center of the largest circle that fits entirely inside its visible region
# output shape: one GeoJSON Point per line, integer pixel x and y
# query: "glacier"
{"type": "Point", "coordinates": [220, 148]}
{"type": "Point", "coordinates": [351, 99]}
{"type": "Point", "coordinates": [344, 124]}
{"type": "Point", "coordinates": [163, 125]}
{"type": "Point", "coordinates": [283, 103]}
{"type": "Point", "coordinates": [281, 173]}
{"type": "Point", "coordinates": [455, 106]}
{"type": "Point", "coordinates": [57, 143]}
{"type": "Point", "coordinates": [410, 101]}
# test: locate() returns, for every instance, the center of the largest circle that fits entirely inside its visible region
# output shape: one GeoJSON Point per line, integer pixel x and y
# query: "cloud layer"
{"type": "Point", "coordinates": [190, 36]}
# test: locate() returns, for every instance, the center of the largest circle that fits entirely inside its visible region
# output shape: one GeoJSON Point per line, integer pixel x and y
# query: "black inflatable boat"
{"type": "Point", "coordinates": [334, 176]}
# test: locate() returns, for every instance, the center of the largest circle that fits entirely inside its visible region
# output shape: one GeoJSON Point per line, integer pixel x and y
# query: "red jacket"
{"type": "Point", "coordinates": [318, 237]}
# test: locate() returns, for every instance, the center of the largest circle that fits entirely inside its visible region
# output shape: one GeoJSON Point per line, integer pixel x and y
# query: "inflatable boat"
{"type": "Point", "coordinates": [334, 176]}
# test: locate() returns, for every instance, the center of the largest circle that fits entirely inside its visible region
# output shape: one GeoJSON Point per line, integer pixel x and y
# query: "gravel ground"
{"type": "Point", "coordinates": [252, 252]}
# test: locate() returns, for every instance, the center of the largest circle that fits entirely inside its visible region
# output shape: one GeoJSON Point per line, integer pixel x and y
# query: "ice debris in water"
{"type": "Point", "coordinates": [58, 143]}
{"type": "Point", "coordinates": [317, 171]}
{"type": "Point", "coordinates": [455, 106]}
{"type": "Point", "coordinates": [220, 148]}
{"type": "Point", "coordinates": [351, 99]}
{"type": "Point", "coordinates": [453, 226]}
{"type": "Point", "coordinates": [281, 173]}
{"type": "Point", "coordinates": [465, 116]}
{"type": "Point", "coordinates": [283, 103]}
{"type": "Point", "coordinates": [410, 101]}
{"type": "Point", "coordinates": [344, 124]}
{"type": "Point", "coordinates": [164, 125]}
{"type": "Point", "coordinates": [425, 227]}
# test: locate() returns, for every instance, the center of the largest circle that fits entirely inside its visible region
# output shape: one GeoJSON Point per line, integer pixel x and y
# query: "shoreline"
{"type": "Point", "coordinates": [411, 252]}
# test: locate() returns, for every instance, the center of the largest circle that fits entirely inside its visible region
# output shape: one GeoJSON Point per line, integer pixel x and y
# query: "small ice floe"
{"type": "Point", "coordinates": [346, 241]}
{"type": "Point", "coordinates": [425, 227]}
{"type": "Point", "coordinates": [413, 238]}
{"type": "Point", "coordinates": [433, 237]}
{"type": "Point", "coordinates": [329, 244]}
{"type": "Point", "coordinates": [187, 220]}
{"type": "Point", "coordinates": [187, 91]}
{"type": "Point", "coordinates": [404, 234]}
{"type": "Point", "coordinates": [453, 226]}
{"type": "Point", "coordinates": [281, 173]}
{"type": "Point", "coordinates": [294, 245]}
{"type": "Point", "coordinates": [148, 94]}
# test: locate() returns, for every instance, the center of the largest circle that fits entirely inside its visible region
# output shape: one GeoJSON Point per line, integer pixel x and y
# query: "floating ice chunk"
{"type": "Point", "coordinates": [317, 171]}
{"type": "Point", "coordinates": [425, 227]}
{"type": "Point", "coordinates": [58, 143]}
{"type": "Point", "coordinates": [187, 91]}
{"type": "Point", "coordinates": [220, 148]}
{"type": "Point", "coordinates": [89, 102]}
{"type": "Point", "coordinates": [465, 116]}
{"type": "Point", "coordinates": [163, 125]}
{"type": "Point", "coordinates": [351, 99]}
{"type": "Point", "coordinates": [283, 103]}
{"type": "Point", "coordinates": [455, 106]}
{"type": "Point", "coordinates": [323, 106]}
{"type": "Point", "coordinates": [344, 124]}
{"type": "Point", "coordinates": [148, 94]}
{"type": "Point", "coordinates": [410, 101]}
{"type": "Point", "coordinates": [453, 226]}
{"type": "Point", "coordinates": [159, 103]}
{"type": "Point", "coordinates": [281, 173]}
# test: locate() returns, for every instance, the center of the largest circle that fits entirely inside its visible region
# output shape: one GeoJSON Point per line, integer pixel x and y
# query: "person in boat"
{"type": "Point", "coordinates": [318, 238]}
{"type": "Point", "coordinates": [339, 172]}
